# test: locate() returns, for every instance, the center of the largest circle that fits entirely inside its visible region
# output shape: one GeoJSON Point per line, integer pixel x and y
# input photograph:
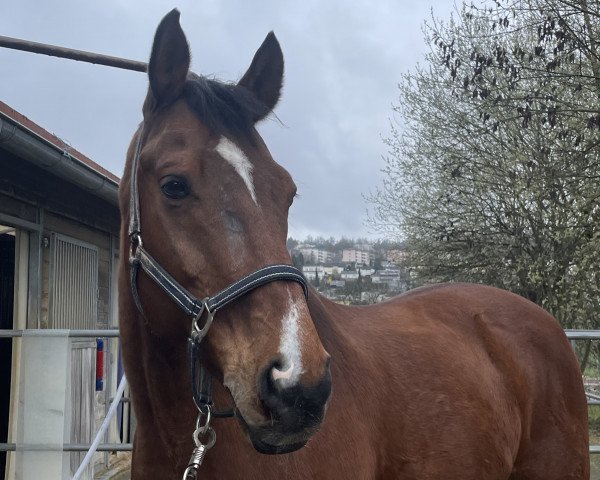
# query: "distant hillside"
{"type": "Point", "coordinates": [351, 271]}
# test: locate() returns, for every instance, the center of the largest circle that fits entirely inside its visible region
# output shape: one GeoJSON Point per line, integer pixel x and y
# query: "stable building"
{"type": "Point", "coordinates": [59, 232]}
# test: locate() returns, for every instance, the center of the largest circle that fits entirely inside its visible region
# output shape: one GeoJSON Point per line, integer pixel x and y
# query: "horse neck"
{"type": "Point", "coordinates": [336, 326]}
{"type": "Point", "coordinates": [160, 385]}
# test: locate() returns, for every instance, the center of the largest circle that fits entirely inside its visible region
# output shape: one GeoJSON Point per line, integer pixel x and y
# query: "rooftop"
{"type": "Point", "coordinates": [24, 122]}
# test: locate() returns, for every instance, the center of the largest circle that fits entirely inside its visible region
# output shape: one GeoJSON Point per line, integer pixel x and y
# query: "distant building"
{"type": "Point", "coordinates": [391, 277]}
{"type": "Point", "coordinates": [349, 275]}
{"type": "Point", "coordinates": [355, 274]}
{"type": "Point", "coordinates": [316, 255]}
{"type": "Point", "coordinates": [311, 271]}
{"type": "Point", "coordinates": [357, 256]}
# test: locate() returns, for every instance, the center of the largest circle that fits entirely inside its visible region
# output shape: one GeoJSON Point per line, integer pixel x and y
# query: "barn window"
{"type": "Point", "coordinates": [73, 284]}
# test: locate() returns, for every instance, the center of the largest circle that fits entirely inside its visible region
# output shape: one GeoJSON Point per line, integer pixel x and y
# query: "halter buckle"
{"type": "Point", "coordinates": [198, 333]}
{"type": "Point", "coordinates": [135, 239]}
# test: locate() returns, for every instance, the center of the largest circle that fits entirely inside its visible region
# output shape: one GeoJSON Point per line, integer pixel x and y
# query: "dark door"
{"type": "Point", "coordinates": [7, 295]}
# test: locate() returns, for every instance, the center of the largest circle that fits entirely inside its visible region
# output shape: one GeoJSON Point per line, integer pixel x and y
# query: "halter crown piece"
{"type": "Point", "coordinates": [197, 309]}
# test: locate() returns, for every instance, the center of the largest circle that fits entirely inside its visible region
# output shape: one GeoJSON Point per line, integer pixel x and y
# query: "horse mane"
{"type": "Point", "coordinates": [225, 108]}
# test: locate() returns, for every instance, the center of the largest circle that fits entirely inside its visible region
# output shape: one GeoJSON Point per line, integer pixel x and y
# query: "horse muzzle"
{"type": "Point", "coordinates": [271, 442]}
{"type": "Point", "coordinates": [295, 413]}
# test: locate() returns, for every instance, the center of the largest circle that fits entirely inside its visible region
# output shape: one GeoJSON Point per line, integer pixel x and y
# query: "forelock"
{"type": "Point", "coordinates": [225, 108]}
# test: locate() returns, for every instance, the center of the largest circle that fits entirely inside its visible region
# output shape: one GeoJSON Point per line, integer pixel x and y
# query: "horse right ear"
{"type": "Point", "coordinates": [169, 61]}
{"type": "Point", "coordinates": [264, 77]}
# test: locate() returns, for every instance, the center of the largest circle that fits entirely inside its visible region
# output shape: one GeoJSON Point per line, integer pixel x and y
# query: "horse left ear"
{"type": "Point", "coordinates": [169, 61]}
{"type": "Point", "coordinates": [264, 78]}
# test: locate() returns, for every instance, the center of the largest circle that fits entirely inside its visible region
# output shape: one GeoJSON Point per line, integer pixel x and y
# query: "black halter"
{"type": "Point", "coordinates": [191, 305]}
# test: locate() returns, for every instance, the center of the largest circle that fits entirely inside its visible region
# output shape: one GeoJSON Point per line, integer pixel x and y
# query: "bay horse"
{"type": "Point", "coordinates": [455, 381]}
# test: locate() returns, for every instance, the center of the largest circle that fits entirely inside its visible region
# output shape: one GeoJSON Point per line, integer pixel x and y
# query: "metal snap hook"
{"type": "Point", "coordinates": [199, 333]}
{"type": "Point", "coordinates": [135, 239]}
{"type": "Point", "coordinates": [199, 452]}
{"type": "Point", "coordinates": [204, 428]}
{"type": "Point", "coordinates": [191, 472]}
{"type": "Point", "coordinates": [210, 440]}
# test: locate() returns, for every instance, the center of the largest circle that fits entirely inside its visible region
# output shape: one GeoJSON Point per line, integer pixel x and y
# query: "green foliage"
{"type": "Point", "coordinates": [493, 176]}
{"type": "Point", "coordinates": [594, 422]}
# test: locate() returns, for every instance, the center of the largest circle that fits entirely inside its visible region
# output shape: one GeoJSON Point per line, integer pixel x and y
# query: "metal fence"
{"type": "Point", "coordinates": [96, 445]}
{"type": "Point", "coordinates": [587, 336]}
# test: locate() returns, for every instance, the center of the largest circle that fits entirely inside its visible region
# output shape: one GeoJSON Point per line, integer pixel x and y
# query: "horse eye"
{"type": "Point", "coordinates": [175, 188]}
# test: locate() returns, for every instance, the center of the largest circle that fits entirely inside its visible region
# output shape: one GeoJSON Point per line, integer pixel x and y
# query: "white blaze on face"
{"type": "Point", "coordinates": [238, 160]}
{"type": "Point", "coordinates": [289, 348]}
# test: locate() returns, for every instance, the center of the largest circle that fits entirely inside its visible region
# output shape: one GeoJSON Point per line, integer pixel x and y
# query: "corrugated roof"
{"type": "Point", "coordinates": [56, 141]}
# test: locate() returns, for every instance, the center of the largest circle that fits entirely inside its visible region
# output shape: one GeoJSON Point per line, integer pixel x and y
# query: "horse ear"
{"type": "Point", "coordinates": [169, 61]}
{"type": "Point", "coordinates": [264, 78]}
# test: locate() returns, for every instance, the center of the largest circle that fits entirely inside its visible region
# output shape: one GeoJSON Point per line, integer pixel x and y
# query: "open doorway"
{"type": "Point", "coordinates": [7, 297]}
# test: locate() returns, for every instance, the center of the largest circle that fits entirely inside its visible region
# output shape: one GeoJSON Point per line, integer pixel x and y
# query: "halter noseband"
{"type": "Point", "coordinates": [191, 305]}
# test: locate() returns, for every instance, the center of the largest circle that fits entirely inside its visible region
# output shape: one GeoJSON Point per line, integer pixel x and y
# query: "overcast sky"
{"type": "Point", "coordinates": [343, 61]}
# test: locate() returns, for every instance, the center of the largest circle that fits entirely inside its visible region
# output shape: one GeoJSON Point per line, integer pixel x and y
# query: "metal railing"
{"type": "Point", "coordinates": [587, 335]}
{"type": "Point", "coordinates": [96, 445]}
{"type": "Point", "coordinates": [70, 447]}
{"type": "Point", "coordinates": [592, 399]}
{"type": "Point", "coordinates": [582, 334]}
{"type": "Point", "coordinates": [102, 430]}
{"type": "Point", "coordinates": [48, 332]}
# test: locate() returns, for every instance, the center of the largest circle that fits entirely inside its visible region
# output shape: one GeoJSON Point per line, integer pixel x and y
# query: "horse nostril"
{"type": "Point", "coordinates": [271, 383]}
{"type": "Point", "coordinates": [276, 378]}
{"type": "Point", "coordinates": [288, 400]}
{"type": "Point", "coordinates": [277, 373]}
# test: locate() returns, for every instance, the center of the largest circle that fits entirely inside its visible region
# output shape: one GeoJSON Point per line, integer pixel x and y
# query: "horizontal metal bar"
{"type": "Point", "coordinates": [583, 334]}
{"type": "Point", "coordinates": [50, 332]}
{"type": "Point", "coordinates": [123, 447]}
{"type": "Point", "coordinates": [572, 334]}
{"type": "Point", "coordinates": [72, 54]}
{"type": "Point", "coordinates": [68, 447]}
{"type": "Point", "coordinates": [593, 396]}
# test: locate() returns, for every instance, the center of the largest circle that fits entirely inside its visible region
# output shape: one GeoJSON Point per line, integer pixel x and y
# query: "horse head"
{"type": "Point", "coordinates": [213, 207]}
